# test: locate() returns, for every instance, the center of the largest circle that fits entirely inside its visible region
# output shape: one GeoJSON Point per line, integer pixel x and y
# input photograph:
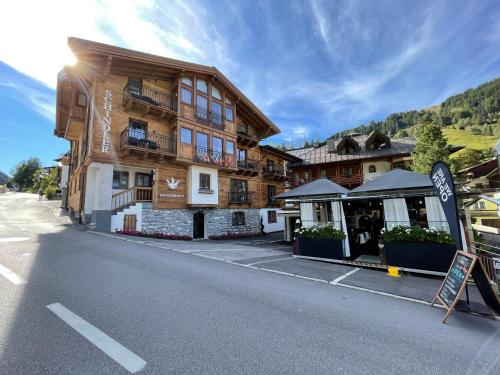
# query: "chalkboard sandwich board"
{"type": "Point", "coordinates": [463, 266]}
{"type": "Point", "coordinates": [455, 281]}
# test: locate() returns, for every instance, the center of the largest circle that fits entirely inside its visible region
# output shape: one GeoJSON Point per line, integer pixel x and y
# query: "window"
{"type": "Point", "coordinates": [201, 107]}
{"type": "Point", "coordinates": [238, 218]}
{"type": "Point", "coordinates": [217, 144]}
{"type": "Point", "coordinates": [228, 101]}
{"type": "Point", "coordinates": [186, 135]}
{"type": "Point", "coordinates": [347, 171]}
{"type": "Point", "coordinates": [480, 205]}
{"type": "Point", "coordinates": [186, 96]}
{"type": "Point", "coordinates": [135, 86]}
{"type": "Point", "coordinates": [271, 217]}
{"type": "Point", "coordinates": [372, 169]}
{"type": "Point", "coordinates": [202, 140]}
{"type": "Point", "coordinates": [144, 179]}
{"type": "Point", "coordinates": [216, 93]}
{"type": "Point", "coordinates": [201, 85]}
{"type": "Point", "coordinates": [239, 186]}
{"type": "Point", "coordinates": [217, 113]}
{"type": "Point", "coordinates": [120, 180]}
{"type": "Point", "coordinates": [187, 81]}
{"type": "Point", "coordinates": [242, 155]}
{"type": "Point", "coordinates": [230, 147]}
{"type": "Point", "coordinates": [137, 129]}
{"type": "Point", "coordinates": [204, 182]}
{"type": "Point", "coordinates": [81, 99]}
{"type": "Point", "coordinates": [229, 114]}
{"type": "Point", "coordinates": [306, 175]}
{"type": "Point", "coordinates": [271, 192]}
{"type": "Point", "coordinates": [322, 173]}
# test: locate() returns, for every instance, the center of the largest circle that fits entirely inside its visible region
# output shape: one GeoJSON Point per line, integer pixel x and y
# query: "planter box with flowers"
{"type": "Point", "coordinates": [321, 241]}
{"type": "Point", "coordinates": [419, 248]}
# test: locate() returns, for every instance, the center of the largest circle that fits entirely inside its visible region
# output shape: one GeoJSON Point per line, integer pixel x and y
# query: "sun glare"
{"type": "Point", "coordinates": [69, 58]}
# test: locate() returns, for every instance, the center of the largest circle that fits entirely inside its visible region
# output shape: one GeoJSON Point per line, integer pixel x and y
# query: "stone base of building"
{"type": "Point", "coordinates": [215, 221]}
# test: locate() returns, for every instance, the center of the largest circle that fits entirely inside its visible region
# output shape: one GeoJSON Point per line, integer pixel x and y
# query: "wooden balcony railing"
{"type": "Point", "coordinates": [149, 97]}
{"type": "Point", "coordinates": [128, 197]}
{"type": "Point", "coordinates": [274, 172]}
{"type": "Point", "coordinates": [215, 157]}
{"type": "Point", "coordinates": [248, 167]}
{"type": "Point", "coordinates": [246, 139]}
{"type": "Point", "coordinates": [138, 139]}
{"type": "Point", "coordinates": [239, 197]}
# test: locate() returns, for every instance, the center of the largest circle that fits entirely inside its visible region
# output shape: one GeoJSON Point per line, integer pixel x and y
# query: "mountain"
{"type": "Point", "coordinates": [3, 178]}
{"type": "Point", "coordinates": [475, 111]}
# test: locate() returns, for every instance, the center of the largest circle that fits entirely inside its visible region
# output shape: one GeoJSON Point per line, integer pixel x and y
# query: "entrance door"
{"type": "Point", "coordinates": [143, 179]}
{"type": "Point", "coordinates": [199, 225]}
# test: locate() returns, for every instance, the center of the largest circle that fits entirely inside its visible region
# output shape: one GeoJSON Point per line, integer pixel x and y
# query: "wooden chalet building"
{"type": "Point", "coordinates": [162, 145]}
{"type": "Point", "coordinates": [352, 159]}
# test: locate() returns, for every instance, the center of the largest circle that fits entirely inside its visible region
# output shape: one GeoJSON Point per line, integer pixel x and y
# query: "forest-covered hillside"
{"type": "Point", "coordinates": [475, 111]}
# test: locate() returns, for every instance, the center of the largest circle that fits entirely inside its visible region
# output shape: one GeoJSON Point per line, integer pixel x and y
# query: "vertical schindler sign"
{"type": "Point", "coordinates": [445, 190]}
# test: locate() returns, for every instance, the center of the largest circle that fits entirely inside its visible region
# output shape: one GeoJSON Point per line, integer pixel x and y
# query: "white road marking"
{"type": "Point", "coordinates": [336, 281]}
{"type": "Point", "coordinates": [11, 276]}
{"type": "Point", "coordinates": [14, 239]}
{"type": "Point", "coordinates": [109, 346]}
{"type": "Point", "coordinates": [268, 261]}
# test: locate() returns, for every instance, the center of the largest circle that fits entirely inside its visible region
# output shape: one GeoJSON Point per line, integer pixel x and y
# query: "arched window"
{"type": "Point", "coordinates": [372, 169]}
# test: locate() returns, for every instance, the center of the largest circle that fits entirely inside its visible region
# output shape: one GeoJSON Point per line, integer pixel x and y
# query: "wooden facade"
{"type": "Point", "coordinates": [161, 116]}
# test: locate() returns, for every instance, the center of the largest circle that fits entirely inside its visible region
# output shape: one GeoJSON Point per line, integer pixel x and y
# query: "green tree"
{"type": "Point", "coordinates": [47, 182]}
{"type": "Point", "coordinates": [431, 146]}
{"type": "Point", "coordinates": [25, 173]}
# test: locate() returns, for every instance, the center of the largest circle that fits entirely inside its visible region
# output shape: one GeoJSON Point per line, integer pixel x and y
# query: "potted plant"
{"type": "Point", "coordinates": [322, 241]}
{"type": "Point", "coordinates": [419, 248]}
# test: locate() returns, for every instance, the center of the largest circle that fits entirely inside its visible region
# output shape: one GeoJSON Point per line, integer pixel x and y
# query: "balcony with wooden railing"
{"type": "Point", "coordinates": [148, 100]}
{"type": "Point", "coordinates": [145, 143]}
{"type": "Point", "coordinates": [246, 139]}
{"type": "Point", "coordinates": [127, 198]}
{"type": "Point", "coordinates": [274, 173]}
{"type": "Point", "coordinates": [217, 158]}
{"type": "Point", "coordinates": [240, 197]}
{"type": "Point", "coordinates": [248, 167]}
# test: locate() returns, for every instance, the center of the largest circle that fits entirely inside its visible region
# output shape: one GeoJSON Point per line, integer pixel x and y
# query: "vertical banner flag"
{"type": "Point", "coordinates": [445, 190]}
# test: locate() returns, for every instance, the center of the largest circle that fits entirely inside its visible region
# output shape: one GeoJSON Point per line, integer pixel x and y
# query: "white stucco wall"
{"type": "Point", "coordinates": [117, 219]}
{"type": "Point", "coordinates": [382, 167]}
{"type": "Point", "coordinates": [272, 227]}
{"type": "Point", "coordinates": [64, 175]}
{"type": "Point", "coordinates": [193, 186]}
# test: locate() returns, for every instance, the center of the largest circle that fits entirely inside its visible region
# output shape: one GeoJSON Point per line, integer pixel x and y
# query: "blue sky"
{"type": "Point", "coordinates": [314, 67]}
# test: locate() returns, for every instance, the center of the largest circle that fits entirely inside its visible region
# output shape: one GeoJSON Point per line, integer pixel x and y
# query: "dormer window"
{"type": "Point", "coordinates": [347, 145]}
{"type": "Point", "coordinates": [377, 141]}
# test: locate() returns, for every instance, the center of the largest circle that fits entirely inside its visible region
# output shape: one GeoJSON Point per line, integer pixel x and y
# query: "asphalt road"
{"type": "Point", "coordinates": [185, 314]}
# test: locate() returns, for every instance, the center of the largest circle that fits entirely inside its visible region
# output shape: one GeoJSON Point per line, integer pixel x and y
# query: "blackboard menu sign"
{"type": "Point", "coordinates": [455, 281]}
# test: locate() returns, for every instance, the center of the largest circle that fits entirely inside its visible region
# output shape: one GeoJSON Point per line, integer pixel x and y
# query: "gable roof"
{"type": "Point", "coordinates": [320, 187]}
{"type": "Point", "coordinates": [104, 54]}
{"type": "Point", "coordinates": [396, 179]}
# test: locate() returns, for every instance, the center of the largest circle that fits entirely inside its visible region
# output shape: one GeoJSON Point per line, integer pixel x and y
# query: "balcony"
{"type": "Point", "coordinates": [76, 120]}
{"type": "Point", "coordinates": [147, 100]}
{"type": "Point", "coordinates": [248, 167]}
{"type": "Point", "coordinates": [246, 139]}
{"type": "Point", "coordinates": [240, 198]}
{"type": "Point", "coordinates": [213, 157]}
{"type": "Point", "coordinates": [274, 173]}
{"type": "Point", "coordinates": [140, 141]}
{"type": "Point", "coordinates": [206, 117]}
{"type": "Point", "coordinates": [353, 180]}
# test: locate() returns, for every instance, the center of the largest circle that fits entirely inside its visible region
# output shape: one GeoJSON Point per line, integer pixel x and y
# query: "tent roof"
{"type": "Point", "coordinates": [322, 186]}
{"type": "Point", "coordinates": [396, 179]}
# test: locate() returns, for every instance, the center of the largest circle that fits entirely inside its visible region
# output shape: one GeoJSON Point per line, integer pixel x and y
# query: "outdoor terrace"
{"type": "Point", "coordinates": [140, 141]}
{"type": "Point", "coordinates": [148, 100]}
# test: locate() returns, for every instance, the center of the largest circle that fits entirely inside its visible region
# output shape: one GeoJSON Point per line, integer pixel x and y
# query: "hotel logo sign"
{"type": "Point", "coordinates": [106, 119]}
{"type": "Point", "coordinates": [172, 184]}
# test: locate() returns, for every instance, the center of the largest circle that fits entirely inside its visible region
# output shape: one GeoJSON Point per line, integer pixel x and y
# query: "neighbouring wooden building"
{"type": "Point", "coordinates": [162, 145]}
{"type": "Point", "coordinates": [352, 159]}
